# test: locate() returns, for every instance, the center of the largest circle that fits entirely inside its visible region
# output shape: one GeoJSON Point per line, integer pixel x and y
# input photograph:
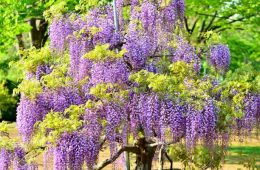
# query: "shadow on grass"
{"type": "Point", "coordinates": [245, 150]}
{"type": "Point", "coordinates": [242, 155]}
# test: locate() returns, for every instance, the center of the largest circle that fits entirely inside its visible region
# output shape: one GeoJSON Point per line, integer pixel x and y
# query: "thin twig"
{"type": "Point", "coordinates": [194, 25]}
{"type": "Point", "coordinates": [186, 24]}
{"type": "Point", "coordinates": [102, 142]}
{"type": "Point", "coordinates": [210, 15]}
{"type": "Point", "coordinates": [4, 134]}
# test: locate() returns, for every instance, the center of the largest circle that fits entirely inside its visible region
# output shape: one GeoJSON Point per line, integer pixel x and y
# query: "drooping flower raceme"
{"type": "Point", "coordinates": [5, 159]}
{"type": "Point", "coordinates": [109, 72]}
{"type": "Point", "coordinates": [27, 116]}
{"type": "Point", "coordinates": [185, 52]}
{"type": "Point", "coordinates": [252, 114]}
{"type": "Point", "coordinates": [201, 124]}
{"type": "Point", "coordinates": [19, 159]}
{"type": "Point", "coordinates": [179, 7]}
{"type": "Point", "coordinates": [219, 57]}
{"type": "Point", "coordinates": [59, 31]}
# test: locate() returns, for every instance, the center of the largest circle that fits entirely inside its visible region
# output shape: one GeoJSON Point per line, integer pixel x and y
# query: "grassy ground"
{"type": "Point", "coordinates": [241, 154]}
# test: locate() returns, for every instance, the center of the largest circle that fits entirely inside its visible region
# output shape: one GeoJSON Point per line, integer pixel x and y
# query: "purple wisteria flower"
{"type": "Point", "coordinates": [185, 52]}
{"type": "Point", "coordinates": [219, 57]}
{"type": "Point", "coordinates": [5, 159]}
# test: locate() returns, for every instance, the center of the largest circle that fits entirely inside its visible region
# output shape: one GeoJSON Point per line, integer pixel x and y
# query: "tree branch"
{"type": "Point", "coordinates": [6, 134]}
{"type": "Point", "coordinates": [226, 28]}
{"type": "Point", "coordinates": [186, 24]}
{"type": "Point", "coordinates": [162, 143]}
{"type": "Point", "coordinates": [157, 142]}
{"type": "Point", "coordinates": [103, 164]}
{"type": "Point", "coordinates": [210, 15]}
{"type": "Point", "coordinates": [202, 26]}
{"type": "Point", "coordinates": [236, 20]}
{"type": "Point", "coordinates": [211, 21]}
{"type": "Point", "coordinates": [38, 148]}
{"type": "Point", "coordinates": [215, 27]}
{"type": "Point", "coordinates": [102, 142]}
{"type": "Point", "coordinates": [169, 159]}
{"type": "Point", "coordinates": [194, 25]}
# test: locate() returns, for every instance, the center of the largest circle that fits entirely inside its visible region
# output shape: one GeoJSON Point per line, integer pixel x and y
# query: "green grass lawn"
{"type": "Point", "coordinates": [248, 156]}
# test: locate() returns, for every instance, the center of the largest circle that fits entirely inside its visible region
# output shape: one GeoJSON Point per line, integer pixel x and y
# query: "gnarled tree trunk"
{"type": "Point", "coordinates": [145, 158]}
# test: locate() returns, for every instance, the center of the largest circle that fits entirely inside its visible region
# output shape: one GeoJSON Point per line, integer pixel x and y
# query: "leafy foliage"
{"type": "Point", "coordinates": [232, 22]}
{"type": "Point", "coordinates": [201, 157]}
{"type": "Point", "coordinates": [101, 53]}
{"type": "Point", "coordinates": [7, 102]}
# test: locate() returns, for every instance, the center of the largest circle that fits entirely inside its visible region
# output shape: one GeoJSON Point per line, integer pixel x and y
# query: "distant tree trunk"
{"type": "Point", "coordinates": [38, 33]}
{"type": "Point", "coordinates": [20, 41]}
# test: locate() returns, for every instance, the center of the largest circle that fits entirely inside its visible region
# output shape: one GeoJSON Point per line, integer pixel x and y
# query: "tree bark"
{"type": "Point", "coordinates": [161, 160]}
{"type": "Point", "coordinates": [126, 154]}
{"type": "Point", "coordinates": [145, 158]}
{"type": "Point", "coordinates": [170, 160]}
{"type": "Point", "coordinates": [20, 41]}
{"type": "Point", "coordinates": [38, 34]}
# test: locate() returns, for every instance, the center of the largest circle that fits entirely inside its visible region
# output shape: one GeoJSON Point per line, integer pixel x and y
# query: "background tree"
{"type": "Point", "coordinates": [235, 22]}
{"type": "Point", "coordinates": [25, 16]}
{"type": "Point", "coordinates": [7, 103]}
{"type": "Point", "coordinates": [22, 26]}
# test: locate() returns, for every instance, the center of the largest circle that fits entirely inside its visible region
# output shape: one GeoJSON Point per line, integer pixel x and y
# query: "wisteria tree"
{"type": "Point", "coordinates": [127, 78]}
